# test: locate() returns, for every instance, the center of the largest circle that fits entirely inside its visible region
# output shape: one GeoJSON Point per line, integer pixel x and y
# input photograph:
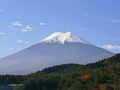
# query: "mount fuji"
{"type": "Point", "coordinates": [58, 48]}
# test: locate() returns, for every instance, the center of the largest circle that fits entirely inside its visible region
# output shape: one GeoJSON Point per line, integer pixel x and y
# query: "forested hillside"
{"type": "Point", "coordinates": [102, 75]}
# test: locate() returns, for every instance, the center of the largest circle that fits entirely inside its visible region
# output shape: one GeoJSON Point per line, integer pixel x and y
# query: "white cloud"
{"type": "Point", "coordinates": [20, 41]}
{"type": "Point", "coordinates": [110, 47]}
{"type": "Point", "coordinates": [26, 29]}
{"type": "Point", "coordinates": [2, 33]}
{"type": "Point", "coordinates": [26, 42]}
{"type": "Point", "coordinates": [42, 24]}
{"type": "Point", "coordinates": [17, 24]}
{"type": "Point", "coordinates": [113, 20]}
{"type": "Point", "coordinates": [11, 48]}
{"type": "Point", "coordinates": [21, 27]}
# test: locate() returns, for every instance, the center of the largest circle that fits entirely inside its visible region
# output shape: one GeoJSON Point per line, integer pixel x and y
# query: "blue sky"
{"type": "Point", "coordinates": [26, 22]}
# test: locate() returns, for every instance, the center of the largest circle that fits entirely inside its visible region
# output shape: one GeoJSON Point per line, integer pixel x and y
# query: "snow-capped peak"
{"type": "Point", "coordinates": [62, 37]}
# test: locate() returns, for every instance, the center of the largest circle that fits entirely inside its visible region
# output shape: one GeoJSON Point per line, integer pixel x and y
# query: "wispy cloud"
{"type": "Point", "coordinates": [27, 28]}
{"type": "Point", "coordinates": [9, 48]}
{"type": "Point", "coordinates": [17, 24]}
{"type": "Point", "coordinates": [20, 41]}
{"type": "Point", "coordinates": [21, 26]}
{"type": "Point", "coordinates": [114, 20]}
{"type": "Point", "coordinates": [42, 24]}
{"type": "Point", "coordinates": [2, 33]}
{"type": "Point", "coordinates": [110, 47]}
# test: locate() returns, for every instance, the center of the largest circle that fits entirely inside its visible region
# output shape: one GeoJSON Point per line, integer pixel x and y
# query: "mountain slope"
{"type": "Point", "coordinates": [53, 51]}
{"type": "Point", "coordinates": [108, 63]}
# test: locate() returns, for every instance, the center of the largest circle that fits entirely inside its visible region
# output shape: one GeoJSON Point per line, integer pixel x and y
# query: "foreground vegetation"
{"type": "Point", "coordinates": [103, 75]}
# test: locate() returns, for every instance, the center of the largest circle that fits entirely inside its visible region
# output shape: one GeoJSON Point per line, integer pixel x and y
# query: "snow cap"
{"type": "Point", "coordinates": [63, 37]}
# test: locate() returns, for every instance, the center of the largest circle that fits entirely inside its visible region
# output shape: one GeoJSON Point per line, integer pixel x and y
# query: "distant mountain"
{"type": "Point", "coordinates": [58, 48]}
{"type": "Point", "coordinates": [108, 63]}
